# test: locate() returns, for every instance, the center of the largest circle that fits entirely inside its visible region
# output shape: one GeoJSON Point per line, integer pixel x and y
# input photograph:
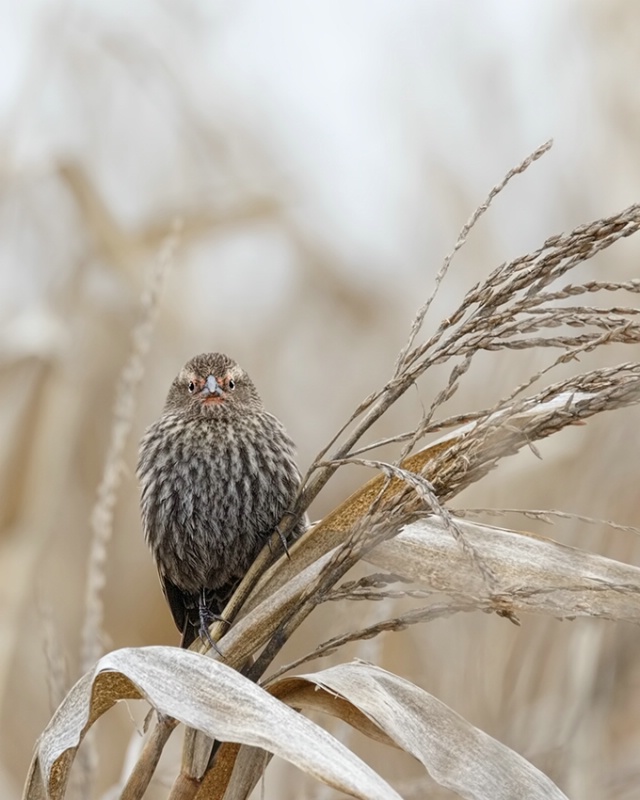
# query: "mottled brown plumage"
{"type": "Point", "coordinates": [217, 474]}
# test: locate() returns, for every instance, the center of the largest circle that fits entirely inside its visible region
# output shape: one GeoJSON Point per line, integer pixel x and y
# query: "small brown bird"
{"type": "Point", "coordinates": [217, 474]}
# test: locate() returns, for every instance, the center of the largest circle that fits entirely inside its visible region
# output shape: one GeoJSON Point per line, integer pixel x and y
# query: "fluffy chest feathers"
{"type": "Point", "coordinates": [212, 493]}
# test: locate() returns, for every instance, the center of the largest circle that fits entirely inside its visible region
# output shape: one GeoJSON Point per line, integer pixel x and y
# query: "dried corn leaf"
{"type": "Point", "coordinates": [456, 754]}
{"type": "Point", "coordinates": [203, 694]}
{"type": "Point", "coordinates": [530, 573]}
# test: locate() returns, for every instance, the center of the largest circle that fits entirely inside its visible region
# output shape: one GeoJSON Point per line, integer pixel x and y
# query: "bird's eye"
{"type": "Point", "coordinates": [191, 387]}
{"type": "Point", "coordinates": [231, 384]}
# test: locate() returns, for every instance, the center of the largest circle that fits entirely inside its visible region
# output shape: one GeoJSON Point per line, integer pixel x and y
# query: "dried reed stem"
{"type": "Point", "coordinates": [124, 407]}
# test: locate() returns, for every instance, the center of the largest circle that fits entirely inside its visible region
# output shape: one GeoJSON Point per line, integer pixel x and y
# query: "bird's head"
{"type": "Point", "coordinates": [210, 384]}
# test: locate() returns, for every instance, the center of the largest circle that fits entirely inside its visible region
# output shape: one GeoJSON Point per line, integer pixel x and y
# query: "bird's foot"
{"type": "Point", "coordinates": [206, 618]}
{"type": "Point", "coordinates": [281, 535]}
{"type": "Point", "coordinates": [206, 637]}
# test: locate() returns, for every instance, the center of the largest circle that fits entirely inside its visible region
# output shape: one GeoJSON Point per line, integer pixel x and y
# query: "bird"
{"type": "Point", "coordinates": [217, 475]}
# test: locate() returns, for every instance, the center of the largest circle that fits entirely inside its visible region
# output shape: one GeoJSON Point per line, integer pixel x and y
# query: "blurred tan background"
{"type": "Point", "coordinates": [322, 157]}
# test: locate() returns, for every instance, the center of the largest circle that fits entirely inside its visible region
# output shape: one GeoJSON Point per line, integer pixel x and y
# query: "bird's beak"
{"type": "Point", "coordinates": [211, 387]}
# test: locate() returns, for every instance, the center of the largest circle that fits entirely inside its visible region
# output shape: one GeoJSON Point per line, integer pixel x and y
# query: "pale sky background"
{"type": "Point", "coordinates": [358, 108]}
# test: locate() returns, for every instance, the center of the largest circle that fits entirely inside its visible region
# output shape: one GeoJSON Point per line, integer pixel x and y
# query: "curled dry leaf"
{"type": "Point", "coordinates": [456, 754]}
{"type": "Point", "coordinates": [531, 573]}
{"type": "Point", "coordinates": [203, 694]}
